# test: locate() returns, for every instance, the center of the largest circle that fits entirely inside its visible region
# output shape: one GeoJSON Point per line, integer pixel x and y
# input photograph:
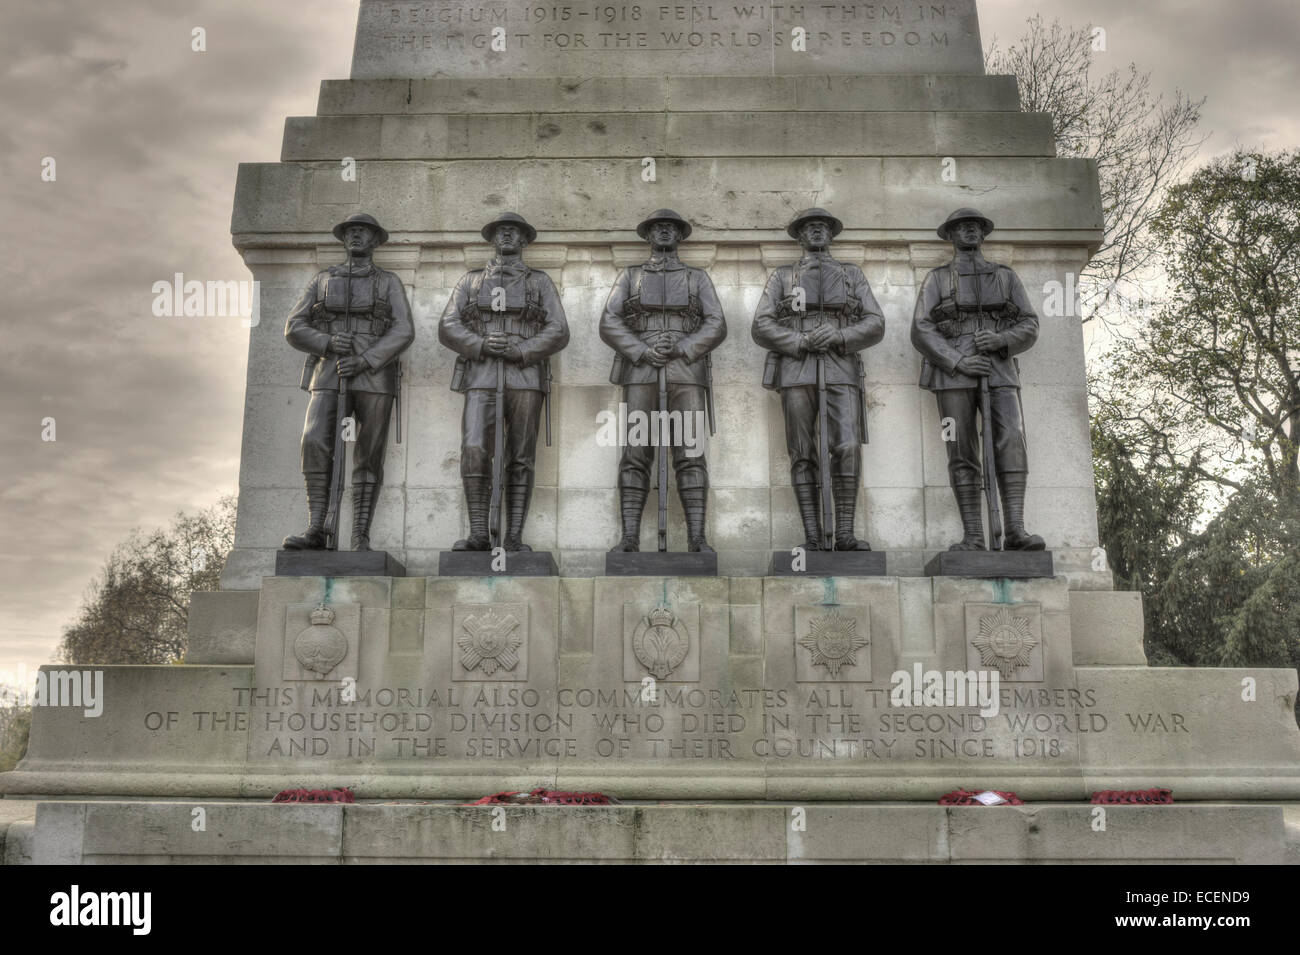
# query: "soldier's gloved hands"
{"type": "Point", "coordinates": [821, 337]}
{"type": "Point", "coordinates": [669, 347]}
{"type": "Point", "coordinates": [341, 343]}
{"type": "Point", "coordinates": [987, 341]}
{"type": "Point", "coordinates": [351, 366]}
{"type": "Point", "coordinates": [977, 366]}
{"type": "Point", "coordinates": [512, 353]}
{"type": "Point", "coordinates": [657, 357]}
{"type": "Point", "coordinates": [496, 344]}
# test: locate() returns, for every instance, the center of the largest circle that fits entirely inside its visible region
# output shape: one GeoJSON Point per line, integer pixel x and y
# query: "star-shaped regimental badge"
{"type": "Point", "coordinates": [1004, 641]}
{"type": "Point", "coordinates": [489, 642]}
{"type": "Point", "coordinates": [834, 641]}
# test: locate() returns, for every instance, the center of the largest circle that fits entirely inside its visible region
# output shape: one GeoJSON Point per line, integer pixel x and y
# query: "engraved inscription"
{"type": "Point", "coordinates": [592, 37]}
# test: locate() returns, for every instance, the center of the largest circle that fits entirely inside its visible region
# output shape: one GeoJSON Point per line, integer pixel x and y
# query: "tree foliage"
{"type": "Point", "coordinates": [1199, 408]}
{"type": "Point", "coordinates": [1140, 141]}
{"type": "Point", "coordinates": [137, 609]}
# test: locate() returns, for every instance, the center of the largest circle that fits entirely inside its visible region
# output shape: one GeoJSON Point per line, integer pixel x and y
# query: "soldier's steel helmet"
{"type": "Point", "coordinates": [963, 215]}
{"type": "Point", "coordinates": [510, 218]}
{"type": "Point", "coordinates": [662, 215]}
{"type": "Point", "coordinates": [814, 213]}
{"type": "Point", "coordinates": [361, 218]}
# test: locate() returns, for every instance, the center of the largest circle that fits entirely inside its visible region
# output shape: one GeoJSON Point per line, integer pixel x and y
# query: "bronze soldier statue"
{"type": "Point", "coordinates": [663, 319]}
{"type": "Point", "coordinates": [504, 322]}
{"type": "Point", "coordinates": [972, 317]}
{"type": "Point", "coordinates": [354, 322]}
{"type": "Point", "coordinates": [815, 317]}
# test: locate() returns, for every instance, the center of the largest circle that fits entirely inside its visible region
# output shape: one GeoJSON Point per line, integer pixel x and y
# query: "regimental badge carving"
{"type": "Point", "coordinates": [322, 646]}
{"type": "Point", "coordinates": [490, 641]}
{"type": "Point", "coordinates": [1004, 641]}
{"type": "Point", "coordinates": [833, 641]}
{"type": "Point", "coordinates": [661, 642]}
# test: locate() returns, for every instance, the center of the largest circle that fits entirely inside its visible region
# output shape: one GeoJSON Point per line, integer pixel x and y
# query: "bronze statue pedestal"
{"type": "Point", "coordinates": [1017, 564]}
{"type": "Point", "coordinates": [337, 563]}
{"type": "Point", "coordinates": [657, 563]}
{"type": "Point", "coordinates": [830, 563]}
{"type": "Point", "coordinates": [478, 563]}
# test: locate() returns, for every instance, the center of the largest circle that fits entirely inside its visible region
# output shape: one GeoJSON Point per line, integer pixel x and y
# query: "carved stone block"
{"type": "Point", "coordinates": [832, 643]}
{"type": "Point", "coordinates": [1007, 638]}
{"type": "Point", "coordinates": [489, 642]}
{"type": "Point", "coordinates": [322, 642]}
{"type": "Point", "coordinates": [661, 642]}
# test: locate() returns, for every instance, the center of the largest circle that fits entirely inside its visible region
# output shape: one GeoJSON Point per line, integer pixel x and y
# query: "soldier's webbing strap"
{"type": "Point", "coordinates": [525, 325]}
{"type": "Point", "coordinates": [684, 320]}
{"type": "Point", "coordinates": [947, 314]}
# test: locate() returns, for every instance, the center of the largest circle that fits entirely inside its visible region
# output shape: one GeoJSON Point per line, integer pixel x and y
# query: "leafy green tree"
{"type": "Point", "coordinates": [1195, 422]}
{"type": "Point", "coordinates": [15, 724]}
{"type": "Point", "coordinates": [137, 609]}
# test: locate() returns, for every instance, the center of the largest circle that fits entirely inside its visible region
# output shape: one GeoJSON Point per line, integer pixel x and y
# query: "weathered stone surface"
{"type": "Point", "coordinates": [1107, 628]}
{"type": "Point", "coordinates": [222, 627]}
{"type": "Point", "coordinates": [244, 832]}
{"type": "Point", "coordinates": [496, 136]}
{"type": "Point", "coordinates": [595, 94]}
{"type": "Point", "coordinates": [589, 38]}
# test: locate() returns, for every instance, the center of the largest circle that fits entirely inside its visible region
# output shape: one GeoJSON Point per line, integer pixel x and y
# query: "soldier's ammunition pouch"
{"type": "Point", "coordinates": [968, 323]}
{"type": "Point", "coordinates": [772, 371]}
{"type": "Point", "coordinates": [954, 321]}
{"type": "Point", "coordinates": [642, 320]}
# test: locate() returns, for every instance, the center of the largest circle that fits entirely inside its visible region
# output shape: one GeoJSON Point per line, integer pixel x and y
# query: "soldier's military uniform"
{"type": "Point", "coordinates": [955, 301]}
{"type": "Point", "coordinates": [376, 310]}
{"type": "Point", "coordinates": [534, 322]}
{"type": "Point", "coordinates": [836, 293]}
{"type": "Point", "coordinates": [663, 296]}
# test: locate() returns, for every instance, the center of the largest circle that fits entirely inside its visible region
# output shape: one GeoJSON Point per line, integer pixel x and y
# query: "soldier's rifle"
{"type": "Point", "coordinates": [339, 463]}
{"type": "Point", "coordinates": [662, 451]}
{"type": "Point", "coordinates": [823, 436]}
{"type": "Point", "coordinates": [496, 516]}
{"type": "Point", "coordinates": [986, 433]}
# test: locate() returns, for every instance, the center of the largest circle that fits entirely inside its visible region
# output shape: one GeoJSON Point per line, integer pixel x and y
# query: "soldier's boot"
{"type": "Point", "coordinates": [518, 496]}
{"type": "Point", "coordinates": [972, 521]}
{"type": "Point", "coordinates": [318, 502]}
{"type": "Point", "coordinates": [364, 496]}
{"type": "Point", "coordinates": [846, 504]}
{"type": "Point", "coordinates": [478, 498]}
{"type": "Point", "coordinates": [695, 504]}
{"type": "Point", "coordinates": [631, 498]}
{"type": "Point", "coordinates": [1012, 486]}
{"type": "Point", "coordinates": [805, 495]}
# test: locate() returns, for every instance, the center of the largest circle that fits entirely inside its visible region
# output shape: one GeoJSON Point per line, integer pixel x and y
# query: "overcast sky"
{"type": "Point", "coordinates": [146, 135]}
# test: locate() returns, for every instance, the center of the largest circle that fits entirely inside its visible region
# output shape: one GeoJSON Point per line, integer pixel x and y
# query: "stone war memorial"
{"type": "Point", "coordinates": [675, 410]}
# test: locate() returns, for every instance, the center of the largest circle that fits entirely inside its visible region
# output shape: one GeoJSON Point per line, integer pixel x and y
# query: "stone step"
{"type": "Point", "coordinates": [870, 93]}
{"type": "Point", "coordinates": [732, 199]}
{"type": "Point", "coordinates": [73, 832]}
{"type": "Point", "coordinates": [455, 136]}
